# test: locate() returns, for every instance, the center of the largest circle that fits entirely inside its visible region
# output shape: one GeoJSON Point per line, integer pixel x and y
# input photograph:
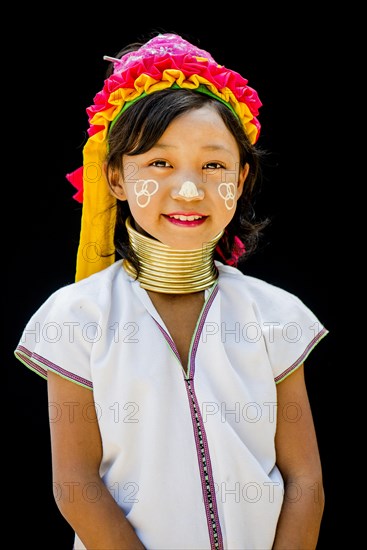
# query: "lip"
{"type": "Point", "coordinates": [185, 223]}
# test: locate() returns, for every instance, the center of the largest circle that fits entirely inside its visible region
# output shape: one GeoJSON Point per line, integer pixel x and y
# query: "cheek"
{"type": "Point", "coordinates": [143, 191]}
{"type": "Point", "coordinates": [228, 193]}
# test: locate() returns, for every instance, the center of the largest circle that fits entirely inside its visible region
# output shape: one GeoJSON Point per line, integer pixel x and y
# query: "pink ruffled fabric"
{"type": "Point", "coordinates": [170, 51]}
{"type": "Point", "coordinates": [76, 179]}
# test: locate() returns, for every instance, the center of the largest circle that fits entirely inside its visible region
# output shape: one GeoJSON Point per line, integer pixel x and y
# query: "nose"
{"type": "Point", "coordinates": [188, 192]}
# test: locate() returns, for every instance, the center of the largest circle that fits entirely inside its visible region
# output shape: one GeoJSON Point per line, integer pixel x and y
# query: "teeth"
{"type": "Point", "coordinates": [186, 218]}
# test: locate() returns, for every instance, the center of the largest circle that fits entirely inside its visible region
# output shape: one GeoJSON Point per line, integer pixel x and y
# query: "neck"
{"type": "Point", "coordinates": [168, 270]}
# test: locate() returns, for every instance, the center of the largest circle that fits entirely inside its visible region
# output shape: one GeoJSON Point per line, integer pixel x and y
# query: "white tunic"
{"type": "Point", "coordinates": [189, 456]}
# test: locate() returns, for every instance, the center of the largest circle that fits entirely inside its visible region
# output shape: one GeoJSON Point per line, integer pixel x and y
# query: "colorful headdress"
{"type": "Point", "coordinates": [165, 61]}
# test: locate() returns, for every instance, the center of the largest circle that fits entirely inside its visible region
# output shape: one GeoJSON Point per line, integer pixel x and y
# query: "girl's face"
{"type": "Point", "coordinates": [184, 190]}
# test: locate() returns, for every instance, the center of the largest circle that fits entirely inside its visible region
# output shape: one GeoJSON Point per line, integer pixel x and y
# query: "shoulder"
{"type": "Point", "coordinates": [269, 303]}
{"type": "Point", "coordinates": [290, 330]}
{"type": "Point", "coordinates": [88, 297]}
{"type": "Point", "coordinates": [254, 289]}
{"type": "Point", "coordinates": [96, 283]}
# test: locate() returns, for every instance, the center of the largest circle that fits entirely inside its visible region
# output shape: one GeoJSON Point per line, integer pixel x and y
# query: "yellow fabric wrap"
{"type": "Point", "coordinates": [98, 215]}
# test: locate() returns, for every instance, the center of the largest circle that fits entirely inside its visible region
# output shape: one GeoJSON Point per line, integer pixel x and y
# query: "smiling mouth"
{"type": "Point", "coordinates": [190, 219]}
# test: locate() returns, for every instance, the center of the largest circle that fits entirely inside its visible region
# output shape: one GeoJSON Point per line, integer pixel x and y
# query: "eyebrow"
{"type": "Point", "coordinates": [211, 147]}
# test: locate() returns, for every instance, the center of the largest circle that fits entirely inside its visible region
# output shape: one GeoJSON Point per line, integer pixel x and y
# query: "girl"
{"type": "Point", "coordinates": [178, 409]}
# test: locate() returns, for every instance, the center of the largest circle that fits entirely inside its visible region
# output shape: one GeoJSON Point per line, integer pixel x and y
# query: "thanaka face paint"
{"type": "Point", "coordinates": [189, 190]}
{"type": "Point", "coordinates": [228, 193]}
{"type": "Point", "coordinates": [145, 189]}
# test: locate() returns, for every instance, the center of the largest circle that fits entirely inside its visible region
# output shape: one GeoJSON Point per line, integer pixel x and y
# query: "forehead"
{"type": "Point", "coordinates": [205, 123]}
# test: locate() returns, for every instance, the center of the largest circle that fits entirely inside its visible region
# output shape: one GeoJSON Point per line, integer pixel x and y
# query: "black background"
{"type": "Point", "coordinates": [293, 61]}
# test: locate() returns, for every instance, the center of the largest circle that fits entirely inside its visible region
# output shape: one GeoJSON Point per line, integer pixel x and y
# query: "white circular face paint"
{"type": "Point", "coordinates": [144, 190]}
{"type": "Point", "coordinates": [188, 189]}
{"type": "Point", "coordinates": [228, 193]}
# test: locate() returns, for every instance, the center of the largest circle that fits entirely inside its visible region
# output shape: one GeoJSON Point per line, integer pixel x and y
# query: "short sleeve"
{"type": "Point", "coordinates": [290, 329]}
{"type": "Point", "coordinates": [59, 337]}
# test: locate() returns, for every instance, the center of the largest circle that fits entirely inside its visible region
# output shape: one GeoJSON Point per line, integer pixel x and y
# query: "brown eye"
{"type": "Point", "coordinates": [160, 163]}
{"type": "Point", "coordinates": [213, 166]}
